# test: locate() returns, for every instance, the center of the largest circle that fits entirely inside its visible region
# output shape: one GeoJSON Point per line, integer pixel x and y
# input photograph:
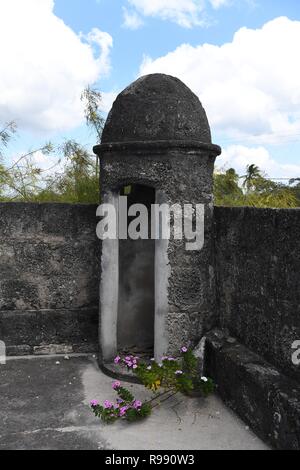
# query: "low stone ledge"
{"type": "Point", "coordinates": [264, 398]}
{"type": "Point", "coordinates": [49, 331]}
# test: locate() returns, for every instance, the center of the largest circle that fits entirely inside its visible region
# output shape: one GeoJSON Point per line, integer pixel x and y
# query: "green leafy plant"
{"type": "Point", "coordinates": [165, 379]}
{"type": "Point", "coordinates": [254, 189]}
{"type": "Point", "coordinates": [73, 178]}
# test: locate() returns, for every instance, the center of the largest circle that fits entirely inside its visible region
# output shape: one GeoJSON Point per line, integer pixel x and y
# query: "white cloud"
{"type": "Point", "coordinates": [131, 19]}
{"type": "Point", "coordinates": [105, 43]}
{"type": "Point", "coordinates": [107, 100]}
{"type": "Point", "coordinates": [186, 13]}
{"type": "Point", "coordinates": [45, 65]}
{"type": "Point", "coordinates": [239, 156]}
{"type": "Point", "coordinates": [219, 3]}
{"type": "Point", "coordinates": [249, 86]}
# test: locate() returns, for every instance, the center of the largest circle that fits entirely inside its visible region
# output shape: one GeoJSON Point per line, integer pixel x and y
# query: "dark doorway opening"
{"type": "Point", "coordinates": [136, 308]}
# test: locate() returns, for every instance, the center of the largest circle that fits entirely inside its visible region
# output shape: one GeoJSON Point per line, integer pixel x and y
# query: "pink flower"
{"type": "Point", "coordinates": [184, 349]}
{"type": "Point", "coordinates": [108, 405]}
{"type": "Point", "coordinates": [179, 372]}
{"type": "Point", "coordinates": [116, 385]}
{"type": "Point", "coordinates": [117, 360]}
{"type": "Point", "coordinates": [171, 359]}
{"type": "Point", "coordinates": [123, 410]}
{"type": "Point", "coordinates": [137, 404]}
{"type": "Point", "coordinates": [94, 403]}
{"type": "Point", "coordinates": [135, 366]}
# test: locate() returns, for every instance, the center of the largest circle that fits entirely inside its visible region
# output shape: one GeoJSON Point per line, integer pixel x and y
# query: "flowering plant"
{"type": "Point", "coordinates": [165, 379]}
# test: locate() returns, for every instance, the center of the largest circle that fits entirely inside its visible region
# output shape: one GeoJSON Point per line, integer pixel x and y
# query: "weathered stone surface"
{"type": "Point", "coordinates": [191, 281]}
{"type": "Point", "coordinates": [49, 260]}
{"type": "Point", "coordinates": [49, 276]}
{"type": "Point", "coordinates": [34, 332]}
{"type": "Point", "coordinates": [157, 135]}
{"type": "Point", "coordinates": [156, 107]}
{"type": "Point", "coordinates": [52, 221]}
{"type": "Point", "coordinates": [264, 397]}
{"type": "Point", "coordinates": [257, 253]}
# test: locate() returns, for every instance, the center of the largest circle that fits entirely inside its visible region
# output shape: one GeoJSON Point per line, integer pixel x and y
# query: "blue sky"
{"type": "Point", "coordinates": [240, 57]}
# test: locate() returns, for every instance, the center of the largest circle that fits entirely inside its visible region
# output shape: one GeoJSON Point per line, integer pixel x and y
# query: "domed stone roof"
{"type": "Point", "coordinates": [157, 107]}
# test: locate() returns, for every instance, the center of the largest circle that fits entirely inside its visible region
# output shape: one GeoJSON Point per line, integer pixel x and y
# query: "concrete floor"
{"type": "Point", "coordinates": [44, 404]}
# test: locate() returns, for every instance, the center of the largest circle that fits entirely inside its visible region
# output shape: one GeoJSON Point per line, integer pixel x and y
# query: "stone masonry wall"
{"type": "Point", "coordinates": [257, 254]}
{"type": "Point", "coordinates": [49, 278]}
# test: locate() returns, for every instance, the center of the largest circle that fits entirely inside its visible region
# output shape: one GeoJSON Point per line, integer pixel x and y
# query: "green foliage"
{"type": "Point", "coordinates": [21, 180]}
{"type": "Point", "coordinates": [126, 407]}
{"type": "Point", "coordinates": [151, 379]}
{"type": "Point", "coordinates": [77, 177]}
{"type": "Point", "coordinates": [295, 188]}
{"type": "Point", "coordinates": [164, 379]}
{"type": "Point", "coordinates": [7, 133]}
{"type": "Point", "coordinates": [207, 386]}
{"type": "Point", "coordinates": [107, 415]}
{"type": "Point", "coordinates": [226, 188]}
{"type": "Point", "coordinates": [134, 415]}
{"type": "Point", "coordinates": [125, 395]}
{"type": "Point", "coordinates": [252, 178]}
{"type": "Point", "coordinates": [76, 182]}
{"type": "Point", "coordinates": [185, 384]}
{"type": "Point", "coordinates": [253, 189]}
{"type": "Point", "coordinates": [190, 362]}
{"type": "Point", "coordinates": [179, 375]}
{"type": "Point", "coordinates": [92, 99]}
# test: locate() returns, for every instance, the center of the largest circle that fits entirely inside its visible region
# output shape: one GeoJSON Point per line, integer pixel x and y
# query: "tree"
{"type": "Point", "coordinates": [226, 187]}
{"type": "Point", "coordinates": [92, 99]}
{"type": "Point", "coordinates": [6, 134]}
{"type": "Point", "coordinates": [252, 177]}
{"type": "Point", "coordinates": [20, 181]}
{"type": "Point", "coordinates": [258, 190]}
{"type": "Point", "coordinates": [295, 187]}
{"type": "Point", "coordinates": [77, 182]}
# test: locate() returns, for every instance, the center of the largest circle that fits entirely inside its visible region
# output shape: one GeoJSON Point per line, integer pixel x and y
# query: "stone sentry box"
{"type": "Point", "coordinates": [155, 295]}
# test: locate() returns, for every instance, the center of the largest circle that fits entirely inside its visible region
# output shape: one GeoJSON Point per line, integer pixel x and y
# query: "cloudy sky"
{"type": "Point", "coordinates": [241, 57]}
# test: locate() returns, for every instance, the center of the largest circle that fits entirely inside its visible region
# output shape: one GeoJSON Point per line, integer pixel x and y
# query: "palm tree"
{"type": "Point", "coordinates": [252, 176]}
